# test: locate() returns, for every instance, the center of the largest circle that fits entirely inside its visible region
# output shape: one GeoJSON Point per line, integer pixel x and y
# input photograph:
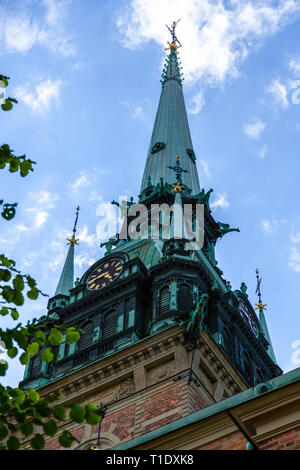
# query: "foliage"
{"type": "Point", "coordinates": [24, 415]}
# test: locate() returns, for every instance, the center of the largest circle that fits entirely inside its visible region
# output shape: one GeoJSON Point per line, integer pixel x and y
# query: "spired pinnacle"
{"type": "Point", "coordinates": [172, 68]}
{"type": "Point", "coordinates": [66, 280]}
{"type": "Point", "coordinates": [171, 134]}
{"type": "Point", "coordinates": [262, 320]}
{"type": "Point", "coordinates": [73, 240]}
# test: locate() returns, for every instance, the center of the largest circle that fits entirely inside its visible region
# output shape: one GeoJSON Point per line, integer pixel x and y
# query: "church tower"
{"type": "Point", "coordinates": [164, 335]}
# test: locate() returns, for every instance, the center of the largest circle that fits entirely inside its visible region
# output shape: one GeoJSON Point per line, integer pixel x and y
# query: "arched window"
{"type": "Point", "coordinates": [185, 302]}
{"type": "Point", "coordinates": [226, 341]}
{"type": "Point", "coordinates": [86, 338]}
{"type": "Point", "coordinates": [258, 378]}
{"type": "Point", "coordinates": [36, 363]}
{"type": "Point", "coordinates": [248, 367]}
{"type": "Point", "coordinates": [110, 324]}
{"type": "Point", "coordinates": [164, 300]}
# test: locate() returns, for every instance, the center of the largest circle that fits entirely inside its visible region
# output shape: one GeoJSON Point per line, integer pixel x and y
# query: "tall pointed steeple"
{"type": "Point", "coordinates": [171, 134]}
{"type": "Point", "coordinates": [67, 276]}
{"type": "Point", "coordinates": [66, 280]}
{"type": "Point", "coordinates": [262, 320]}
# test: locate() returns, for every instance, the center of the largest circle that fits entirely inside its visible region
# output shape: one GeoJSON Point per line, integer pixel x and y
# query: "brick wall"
{"type": "Point", "coordinates": [289, 440]}
{"type": "Point", "coordinates": [234, 441]}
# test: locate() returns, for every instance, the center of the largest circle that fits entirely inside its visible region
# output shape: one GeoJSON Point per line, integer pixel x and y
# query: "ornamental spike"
{"type": "Point", "coordinates": [73, 240]}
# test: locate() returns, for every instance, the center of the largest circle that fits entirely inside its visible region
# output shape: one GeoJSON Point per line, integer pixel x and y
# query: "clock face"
{"type": "Point", "coordinates": [247, 316]}
{"type": "Point", "coordinates": [107, 272]}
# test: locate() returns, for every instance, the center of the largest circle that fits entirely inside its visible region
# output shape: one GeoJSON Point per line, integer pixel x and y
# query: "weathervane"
{"type": "Point", "coordinates": [175, 42]}
{"type": "Point", "coordinates": [73, 240]}
{"type": "Point", "coordinates": [260, 306]}
{"type": "Point", "coordinates": [179, 187]}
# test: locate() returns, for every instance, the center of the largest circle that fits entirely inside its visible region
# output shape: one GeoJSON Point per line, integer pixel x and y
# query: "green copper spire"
{"type": "Point", "coordinates": [67, 276]}
{"type": "Point", "coordinates": [171, 134]}
{"type": "Point", "coordinates": [262, 320]}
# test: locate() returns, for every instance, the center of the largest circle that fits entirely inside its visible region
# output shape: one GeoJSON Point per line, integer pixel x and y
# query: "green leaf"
{"type": "Point", "coordinates": [3, 432]}
{"type": "Point", "coordinates": [72, 335]}
{"type": "Point", "coordinates": [18, 298]}
{"type": "Point", "coordinates": [40, 337]}
{"type": "Point", "coordinates": [33, 395]}
{"type": "Point", "coordinates": [93, 418]}
{"type": "Point", "coordinates": [38, 442]}
{"type": "Point", "coordinates": [19, 396]}
{"type": "Point", "coordinates": [12, 352]}
{"type": "Point", "coordinates": [13, 443]}
{"type": "Point", "coordinates": [42, 408]}
{"type": "Point", "coordinates": [3, 81]}
{"type": "Point", "coordinates": [50, 428]}
{"type": "Point", "coordinates": [66, 439]}
{"type": "Point", "coordinates": [5, 275]}
{"type": "Point", "coordinates": [7, 105]}
{"type": "Point", "coordinates": [8, 293]}
{"type": "Point", "coordinates": [33, 293]}
{"type": "Point", "coordinates": [59, 412]}
{"type": "Point", "coordinates": [31, 282]}
{"type": "Point", "coordinates": [4, 311]}
{"type": "Point", "coordinates": [33, 348]}
{"type": "Point", "coordinates": [24, 359]}
{"type": "Point", "coordinates": [3, 368]}
{"type": "Point", "coordinates": [77, 413]}
{"type": "Point", "coordinates": [18, 282]}
{"type": "Point", "coordinates": [14, 314]}
{"type": "Point", "coordinates": [27, 429]}
{"type": "Point", "coordinates": [47, 355]}
{"type": "Point", "coordinates": [55, 337]}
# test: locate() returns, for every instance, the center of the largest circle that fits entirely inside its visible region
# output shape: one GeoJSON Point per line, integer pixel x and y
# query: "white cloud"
{"type": "Point", "coordinates": [269, 227]}
{"type": "Point", "coordinates": [279, 93]}
{"type": "Point", "coordinates": [83, 261]}
{"type": "Point", "coordinates": [21, 28]}
{"type": "Point", "coordinates": [220, 201]}
{"type": "Point", "coordinates": [294, 259]}
{"type": "Point", "coordinates": [138, 112]}
{"type": "Point", "coordinates": [82, 181]}
{"type": "Point", "coordinates": [216, 36]}
{"type": "Point", "coordinates": [90, 240]}
{"type": "Point", "coordinates": [43, 201]}
{"type": "Point", "coordinates": [44, 95]}
{"type": "Point", "coordinates": [47, 199]}
{"type": "Point", "coordinates": [40, 218]}
{"type": "Point", "coordinates": [85, 179]}
{"type": "Point", "coordinates": [205, 168]}
{"type": "Point", "coordinates": [197, 103]}
{"type": "Point", "coordinates": [263, 152]}
{"type": "Point", "coordinates": [294, 66]}
{"type": "Point", "coordinates": [254, 129]}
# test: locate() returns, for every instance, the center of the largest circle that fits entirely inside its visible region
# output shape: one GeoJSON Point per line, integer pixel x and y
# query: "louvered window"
{"type": "Point", "coordinates": [164, 300]}
{"type": "Point", "coordinates": [110, 324]}
{"type": "Point", "coordinates": [36, 364]}
{"type": "Point", "coordinates": [184, 298]}
{"type": "Point", "coordinates": [86, 338]}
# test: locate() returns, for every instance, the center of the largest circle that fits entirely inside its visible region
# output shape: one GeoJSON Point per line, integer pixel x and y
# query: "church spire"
{"type": "Point", "coordinates": [67, 276]}
{"type": "Point", "coordinates": [171, 134]}
{"type": "Point", "coordinates": [262, 320]}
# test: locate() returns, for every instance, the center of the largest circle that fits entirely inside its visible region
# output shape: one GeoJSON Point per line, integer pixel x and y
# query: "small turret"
{"type": "Point", "coordinates": [66, 281]}
{"type": "Point", "coordinates": [262, 320]}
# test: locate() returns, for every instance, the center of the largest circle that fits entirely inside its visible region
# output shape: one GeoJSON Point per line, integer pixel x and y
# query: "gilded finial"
{"type": "Point", "coordinates": [179, 186]}
{"type": "Point", "coordinates": [260, 306]}
{"type": "Point", "coordinates": [175, 44]}
{"type": "Point", "coordinates": [73, 240]}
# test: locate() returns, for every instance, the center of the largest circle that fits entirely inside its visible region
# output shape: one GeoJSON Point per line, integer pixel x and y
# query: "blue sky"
{"type": "Point", "coordinates": [86, 75]}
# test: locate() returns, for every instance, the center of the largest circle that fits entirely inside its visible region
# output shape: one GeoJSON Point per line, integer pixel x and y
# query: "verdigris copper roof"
{"type": "Point", "coordinates": [171, 134]}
